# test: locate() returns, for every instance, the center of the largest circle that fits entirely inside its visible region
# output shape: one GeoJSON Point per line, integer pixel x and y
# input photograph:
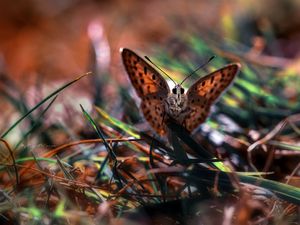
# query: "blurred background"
{"type": "Point", "coordinates": [55, 39]}
{"type": "Point", "coordinates": [46, 43]}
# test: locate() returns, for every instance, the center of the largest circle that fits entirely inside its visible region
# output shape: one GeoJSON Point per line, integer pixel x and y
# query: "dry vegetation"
{"type": "Point", "coordinates": [78, 151]}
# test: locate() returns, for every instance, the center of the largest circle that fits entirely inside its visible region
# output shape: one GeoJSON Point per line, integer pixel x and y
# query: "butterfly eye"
{"type": "Point", "coordinates": [174, 90]}
{"type": "Point", "coordinates": [181, 91]}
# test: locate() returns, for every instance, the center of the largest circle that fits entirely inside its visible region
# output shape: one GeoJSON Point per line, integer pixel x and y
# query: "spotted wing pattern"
{"type": "Point", "coordinates": [205, 91]}
{"type": "Point", "coordinates": [150, 86]}
{"type": "Point", "coordinates": [154, 112]}
{"type": "Point", "coordinates": [143, 77]}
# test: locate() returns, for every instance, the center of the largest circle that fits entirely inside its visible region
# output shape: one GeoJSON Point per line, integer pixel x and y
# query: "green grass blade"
{"type": "Point", "coordinates": [125, 127]}
{"type": "Point", "coordinates": [284, 191]}
{"type": "Point", "coordinates": [41, 103]}
{"type": "Point", "coordinates": [35, 125]}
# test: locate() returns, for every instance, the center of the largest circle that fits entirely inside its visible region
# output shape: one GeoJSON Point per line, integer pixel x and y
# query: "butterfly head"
{"type": "Point", "coordinates": [178, 90]}
{"type": "Point", "coordinates": [176, 102]}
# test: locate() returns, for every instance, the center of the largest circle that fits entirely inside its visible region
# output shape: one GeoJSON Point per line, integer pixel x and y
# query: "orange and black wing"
{"type": "Point", "coordinates": [150, 86]}
{"type": "Point", "coordinates": [202, 94]}
{"type": "Point", "coordinates": [144, 78]}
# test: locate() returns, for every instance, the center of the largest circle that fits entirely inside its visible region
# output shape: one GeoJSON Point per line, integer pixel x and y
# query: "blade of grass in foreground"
{"type": "Point", "coordinates": [189, 141]}
{"type": "Point", "coordinates": [36, 123]}
{"type": "Point", "coordinates": [284, 191]}
{"type": "Point", "coordinates": [111, 155]}
{"type": "Point", "coordinates": [179, 152]}
{"type": "Point", "coordinates": [41, 103]}
{"type": "Point", "coordinates": [125, 127]}
{"type": "Point", "coordinates": [99, 132]}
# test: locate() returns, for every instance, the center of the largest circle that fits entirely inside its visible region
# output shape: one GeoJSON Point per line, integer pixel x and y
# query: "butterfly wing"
{"type": "Point", "coordinates": [150, 86]}
{"type": "Point", "coordinates": [154, 112]}
{"type": "Point", "coordinates": [144, 78]}
{"type": "Point", "coordinates": [205, 91]}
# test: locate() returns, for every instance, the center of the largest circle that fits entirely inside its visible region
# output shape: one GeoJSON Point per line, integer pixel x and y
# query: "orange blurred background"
{"type": "Point", "coordinates": [53, 38]}
{"type": "Point", "coordinates": [59, 40]}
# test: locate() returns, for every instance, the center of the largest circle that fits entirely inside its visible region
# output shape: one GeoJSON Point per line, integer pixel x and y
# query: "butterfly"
{"type": "Point", "coordinates": [158, 103]}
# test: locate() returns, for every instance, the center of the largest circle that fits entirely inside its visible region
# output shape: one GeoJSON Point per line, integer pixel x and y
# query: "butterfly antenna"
{"type": "Point", "coordinates": [204, 64]}
{"type": "Point", "coordinates": [146, 57]}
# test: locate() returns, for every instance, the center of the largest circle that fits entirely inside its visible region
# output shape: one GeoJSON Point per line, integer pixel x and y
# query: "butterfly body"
{"type": "Point", "coordinates": [176, 103]}
{"type": "Point", "coordinates": [160, 103]}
